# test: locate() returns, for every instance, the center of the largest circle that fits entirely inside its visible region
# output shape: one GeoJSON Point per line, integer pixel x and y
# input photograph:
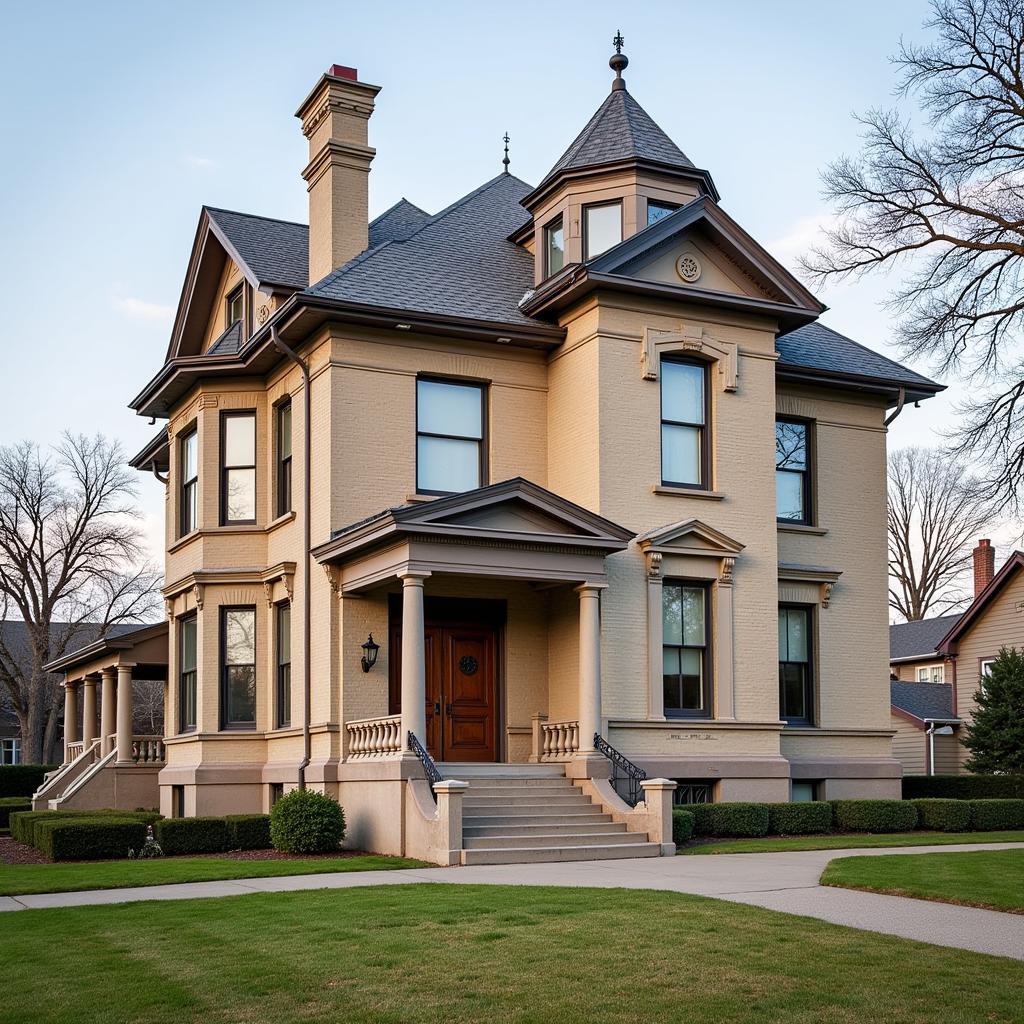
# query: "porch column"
{"type": "Point", "coordinates": [590, 664]}
{"type": "Point", "coordinates": [70, 717]}
{"type": "Point", "coordinates": [414, 668]}
{"type": "Point", "coordinates": [124, 714]}
{"type": "Point", "coordinates": [88, 711]}
{"type": "Point", "coordinates": [108, 718]}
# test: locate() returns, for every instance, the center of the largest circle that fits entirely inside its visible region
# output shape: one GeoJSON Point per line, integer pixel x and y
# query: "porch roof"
{"type": "Point", "coordinates": [120, 642]}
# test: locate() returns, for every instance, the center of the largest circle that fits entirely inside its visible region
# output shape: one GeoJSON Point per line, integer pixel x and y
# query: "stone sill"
{"type": "Point", "coordinates": [688, 492]}
{"type": "Point", "coordinates": [811, 531]}
{"type": "Point", "coordinates": [693, 724]}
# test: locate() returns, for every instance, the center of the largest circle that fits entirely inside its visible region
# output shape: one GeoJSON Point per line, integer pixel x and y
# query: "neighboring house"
{"type": "Point", "coordinates": [938, 664]}
{"type": "Point", "coordinates": [10, 736]}
{"type": "Point", "coordinates": [586, 470]}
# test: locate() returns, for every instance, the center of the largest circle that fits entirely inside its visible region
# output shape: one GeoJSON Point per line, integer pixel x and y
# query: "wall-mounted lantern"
{"type": "Point", "coordinates": [370, 650]}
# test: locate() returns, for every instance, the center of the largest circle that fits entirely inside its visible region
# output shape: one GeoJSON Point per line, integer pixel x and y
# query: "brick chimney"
{"type": "Point", "coordinates": [334, 118]}
{"type": "Point", "coordinates": [984, 565]}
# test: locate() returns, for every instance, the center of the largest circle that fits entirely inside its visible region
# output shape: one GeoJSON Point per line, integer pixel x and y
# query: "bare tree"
{"type": "Point", "coordinates": [947, 205]}
{"type": "Point", "coordinates": [70, 566]}
{"type": "Point", "coordinates": [935, 512]}
{"type": "Point", "coordinates": [148, 706]}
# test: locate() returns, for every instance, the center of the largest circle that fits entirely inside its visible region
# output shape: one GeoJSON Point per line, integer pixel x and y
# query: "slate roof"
{"type": "Point", "coordinates": [619, 130]}
{"type": "Point", "coordinates": [397, 223]}
{"type": "Point", "coordinates": [817, 347]}
{"type": "Point", "coordinates": [923, 700]}
{"type": "Point", "coordinates": [275, 251]}
{"type": "Point", "coordinates": [228, 341]}
{"type": "Point", "coordinates": [919, 639]}
{"type": "Point", "coordinates": [459, 263]}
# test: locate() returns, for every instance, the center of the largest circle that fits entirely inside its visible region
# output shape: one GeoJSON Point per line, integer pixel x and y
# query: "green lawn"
{"type": "Point", "coordinates": [28, 878]}
{"type": "Point", "coordinates": [449, 954]}
{"type": "Point", "coordinates": [985, 878]}
{"type": "Point", "coordinates": [782, 844]}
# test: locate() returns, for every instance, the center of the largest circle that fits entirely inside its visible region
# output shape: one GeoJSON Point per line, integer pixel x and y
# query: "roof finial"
{"type": "Point", "coordinates": [505, 160]}
{"type": "Point", "coordinates": [618, 62]}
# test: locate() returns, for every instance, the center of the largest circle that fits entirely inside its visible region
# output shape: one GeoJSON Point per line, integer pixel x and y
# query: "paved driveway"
{"type": "Point", "coordinates": [786, 882]}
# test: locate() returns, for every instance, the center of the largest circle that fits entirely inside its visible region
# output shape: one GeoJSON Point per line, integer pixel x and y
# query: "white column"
{"type": "Point", "coordinates": [108, 716]}
{"type": "Point", "coordinates": [88, 711]}
{"type": "Point", "coordinates": [124, 714]}
{"type": "Point", "coordinates": [414, 664]}
{"type": "Point", "coordinates": [590, 664]}
{"type": "Point", "coordinates": [70, 717]}
{"type": "Point", "coordinates": [655, 628]}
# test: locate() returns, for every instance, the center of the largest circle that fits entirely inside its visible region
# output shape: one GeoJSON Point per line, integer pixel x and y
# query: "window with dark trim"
{"type": "Point", "coordinates": [656, 210]}
{"type": "Point", "coordinates": [189, 468]}
{"type": "Point", "coordinates": [177, 801]}
{"type": "Point", "coordinates": [276, 792]}
{"type": "Point", "coordinates": [693, 791]}
{"type": "Point", "coordinates": [602, 228]}
{"type": "Point", "coordinates": [283, 645]}
{"type": "Point", "coordinates": [284, 458]}
{"type": "Point", "coordinates": [554, 247]}
{"type": "Point", "coordinates": [684, 434]}
{"type": "Point", "coordinates": [793, 471]}
{"type": "Point", "coordinates": [237, 467]}
{"type": "Point", "coordinates": [796, 676]}
{"type": "Point", "coordinates": [801, 791]}
{"type": "Point", "coordinates": [238, 667]}
{"type": "Point", "coordinates": [234, 306]}
{"type": "Point", "coordinates": [188, 669]}
{"type": "Point", "coordinates": [449, 436]}
{"type": "Point", "coordinates": [686, 676]}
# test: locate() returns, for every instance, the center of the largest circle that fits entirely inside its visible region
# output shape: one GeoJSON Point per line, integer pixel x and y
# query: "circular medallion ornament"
{"type": "Point", "coordinates": [468, 665]}
{"type": "Point", "coordinates": [688, 268]}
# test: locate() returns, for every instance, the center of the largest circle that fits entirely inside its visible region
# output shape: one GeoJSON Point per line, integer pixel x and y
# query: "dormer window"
{"type": "Point", "coordinates": [657, 210]}
{"type": "Point", "coordinates": [602, 228]}
{"type": "Point", "coordinates": [554, 247]}
{"type": "Point", "coordinates": [235, 306]}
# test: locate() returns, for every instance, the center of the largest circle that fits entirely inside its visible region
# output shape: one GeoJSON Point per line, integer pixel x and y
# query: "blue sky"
{"type": "Point", "coordinates": [121, 119]}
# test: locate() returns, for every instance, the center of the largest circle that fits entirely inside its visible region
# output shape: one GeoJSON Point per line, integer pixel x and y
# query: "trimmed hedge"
{"type": "Point", "coordinates": [799, 819]}
{"type": "Point", "coordinates": [23, 779]}
{"type": "Point", "coordinates": [943, 815]}
{"type": "Point", "coordinates": [192, 835]}
{"type": "Point", "coordinates": [964, 787]}
{"type": "Point", "coordinates": [304, 821]}
{"type": "Point", "coordinates": [874, 815]}
{"type": "Point", "coordinates": [103, 838]}
{"type": "Point", "coordinates": [995, 815]}
{"type": "Point", "coordinates": [248, 831]}
{"type": "Point", "coordinates": [682, 825]}
{"type": "Point", "coordinates": [24, 823]}
{"type": "Point", "coordinates": [11, 805]}
{"type": "Point", "coordinates": [730, 819]}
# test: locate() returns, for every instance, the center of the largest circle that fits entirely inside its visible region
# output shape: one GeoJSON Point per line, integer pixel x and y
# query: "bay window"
{"type": "Point", "coordinates": [188, 665]}
{"type": "Point", "coordinates": [602, 228]}
{"type": "Point", "coordinates": [238, 467]}
{"type": "Point", "coordinates": [238, 667]}
{"type": "Point", "coordinates": [189, 491]}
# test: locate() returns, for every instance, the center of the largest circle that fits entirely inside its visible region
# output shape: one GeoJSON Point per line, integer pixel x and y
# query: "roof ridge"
{"type": "Point", "coordinates": [395, 206]}
{"type": "Point", "coordinates": [479, 190]}
{"type": "Point", "coordinates": [254, 216]}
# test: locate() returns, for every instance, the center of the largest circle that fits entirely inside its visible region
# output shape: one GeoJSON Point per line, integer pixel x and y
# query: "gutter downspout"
{"type": "Point", "coordinates": [899, 407]}
{"type": "Point", "coordinates": [934, 724]}
{"type": "Point", "coordinates": [306, 545]}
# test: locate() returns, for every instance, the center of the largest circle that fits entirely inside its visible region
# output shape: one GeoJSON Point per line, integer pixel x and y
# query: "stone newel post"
{"type": "Point", "coordinates": [658, 800]}
{"type": "Point", "coordinates": [414, 669]}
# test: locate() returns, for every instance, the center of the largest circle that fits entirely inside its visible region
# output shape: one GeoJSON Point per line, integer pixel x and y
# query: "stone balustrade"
{"type": "Point", "coordinates": [559, 741]}
{"type": "Point", "coordinates": [75, 750]}
{"type": "Point", "coordinates": [148, 749]}
{"type": "Point", "coordinates": [374, 738]}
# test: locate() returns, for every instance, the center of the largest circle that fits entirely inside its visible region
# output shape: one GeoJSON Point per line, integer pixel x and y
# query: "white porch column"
{"type": "Point", "coordinates": [88, 711]}
{"type": "Point", "coordinates": [590, 664]}
{"type": "Point", "coordinates": [70, 717]}
{"type": "Point", "coordinates": [124, 714]}
{"type": "Point", "coordinates": [108, 717]}
{"type": "Point", "coordinates": [414, 665]}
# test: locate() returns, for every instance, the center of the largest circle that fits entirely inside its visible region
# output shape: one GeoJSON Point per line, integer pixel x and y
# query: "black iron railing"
{"type": "Point", "coordinates": [429, 764]}
{"type": "Point", "coordinates": [626, 776]}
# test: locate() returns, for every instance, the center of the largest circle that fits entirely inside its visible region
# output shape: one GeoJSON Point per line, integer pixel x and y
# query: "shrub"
{"type": "Point", "coordinates": [305, 821]}
{"type": "Point", "coordinates": [10, 805]}
{"type": "Point", "coordinates": [943, 815]}
{"type": "Point", "coordinates": [248, 831]}
{"type": "Point", "coordinates": [964, 787]}
{"type": "Point", "coordinates": [730, 819]}
{"type": "Point", "coordinates": [23, 823]}
{"type": "Point", "coordinates": [874, 815]}
{"type": "Point", "coordinates": [192, 835]}
{"type": "Point", "coordinates": [993, 815]}
{"type": "Point", "coordinates": [22, 779]}
{"type": "Point", "coordinates": [682, 825]}
{"type": "Point", "coordinates": [84, 838]}
{"type": "Point", "coordinates": [800, 819]}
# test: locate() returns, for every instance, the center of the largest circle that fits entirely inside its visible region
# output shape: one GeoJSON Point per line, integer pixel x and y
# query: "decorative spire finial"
{"type": "Point", "coordinates": [619, 61]}
{"type": "Point", "coordinates": [505, 161]}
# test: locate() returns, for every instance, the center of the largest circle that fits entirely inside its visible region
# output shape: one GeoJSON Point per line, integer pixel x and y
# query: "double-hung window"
{"type": "Point", "coordinates": [931, 674]}
{"type": "Point", "coordinates": [684, 433]}
{"type": "Point", "coordinates": [792, 472]}
{"type": "Point", "coordinates": [189, 469]}
{"type": "Point", "coordinates": [449, 436]}
{"type": "Point", "coordinates": [685, 657]}
{"type": "Point", "coordinates": [188, 665]}
{"type": "Point", "coordinates": [238, 667]}
{"type": "Point", "coordinates": [602, 228]}
{"type": "Point", "coordinates": [238, 467]}
{"type": "Point", "coordinates": [284, 664]}
{"type": "Point", "coordinates": [795, 665]}
{"type": "Point", "coordinates": [10, 751]}
{"type": "Point", "coordinates": [284, 458]}
{"type": "Point", "coordinates": [554, 247]}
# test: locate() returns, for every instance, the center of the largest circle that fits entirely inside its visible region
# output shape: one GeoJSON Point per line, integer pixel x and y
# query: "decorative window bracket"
{"type": "Point", "coordinates": [657, 343]}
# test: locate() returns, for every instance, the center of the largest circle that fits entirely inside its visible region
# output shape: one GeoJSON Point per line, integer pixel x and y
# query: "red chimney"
{"type": "Point", "coordinates": [984, 565]}
{"type": "Point", "coordinates": [340, 71]}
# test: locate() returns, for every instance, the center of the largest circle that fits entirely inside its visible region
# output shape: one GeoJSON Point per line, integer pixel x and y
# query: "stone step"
{"type": "Point", "coordinates": [590, 818]}
{"type": "Point", "coordinates": [520, 785]}
{"type": "Point", "coordinates": [550, 829]}
{"type": "Point", "coordinates": [578, 838]}
{"type": "Point", "coordinates": [542, 854]}
{"type": "Point", "coordinates": [521, 799]}
{"type": "Point", "coordinates": [567, 810]}
{"type": "Point", "coordinates": [465, 771]}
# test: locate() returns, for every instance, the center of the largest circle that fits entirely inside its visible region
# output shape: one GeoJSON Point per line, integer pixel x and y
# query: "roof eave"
{"type": "Point", "coordinates": [949, 644]}
{"type": "Point", "coordinates": [155, 454]}
{"type": "Point", "coordinates": [856, 382]}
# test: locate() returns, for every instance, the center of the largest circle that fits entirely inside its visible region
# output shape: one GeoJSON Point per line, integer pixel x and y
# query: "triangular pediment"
{"type": "Point", "coordinates": [690, 536]}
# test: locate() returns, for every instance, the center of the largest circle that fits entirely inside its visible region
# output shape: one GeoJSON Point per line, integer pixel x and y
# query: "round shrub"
{"type": "Point", "coordinates": [943, 815]}
{"type": "Point", "coordinates": [682, 825]}
{"type": "Point", "coordinates": [803, 818]}
{"type": "Point", "coordinates": [993, 815]}
{"type": "Point", "coordinates": [874, 815]}
{"type": "Point", "coordinates": [307, 822]}
{"type": "Point", "coordinates": [730, 819]}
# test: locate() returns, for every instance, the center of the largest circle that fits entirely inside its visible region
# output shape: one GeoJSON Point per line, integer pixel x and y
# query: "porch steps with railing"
{"type": "Point", "coordinates": [519, 814]}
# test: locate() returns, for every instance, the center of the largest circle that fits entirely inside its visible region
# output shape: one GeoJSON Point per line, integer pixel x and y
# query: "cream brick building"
{"type": "Point", "coordinates": [579, 455]}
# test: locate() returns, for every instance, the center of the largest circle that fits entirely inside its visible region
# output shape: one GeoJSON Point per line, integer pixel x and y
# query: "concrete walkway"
{"type": "Point", "coordinates": [786, 882]}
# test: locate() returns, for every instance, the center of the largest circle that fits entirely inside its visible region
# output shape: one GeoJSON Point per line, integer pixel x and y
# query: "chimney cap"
{"type": "Point", "coordinates": [983, 542]}
{"type": "Point", "coordinates": [343, 71]}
